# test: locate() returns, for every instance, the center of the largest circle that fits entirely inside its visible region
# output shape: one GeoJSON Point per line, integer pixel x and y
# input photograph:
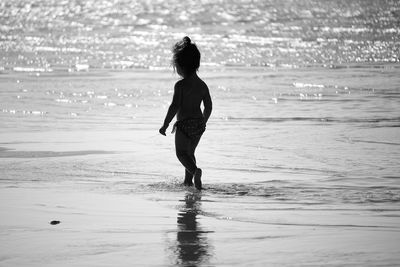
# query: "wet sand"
{"type": "Point", "coordinates": [181, 228]}
{"type": "Point", "coordinates": [95, 229]}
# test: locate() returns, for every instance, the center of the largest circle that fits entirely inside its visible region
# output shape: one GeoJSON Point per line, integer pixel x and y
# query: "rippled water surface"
{"type": "Point", "coordinates": [79, 35]}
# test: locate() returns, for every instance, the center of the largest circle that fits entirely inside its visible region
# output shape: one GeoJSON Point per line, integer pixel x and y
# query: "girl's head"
{"type": "Point", "coordinates": [186, 57]}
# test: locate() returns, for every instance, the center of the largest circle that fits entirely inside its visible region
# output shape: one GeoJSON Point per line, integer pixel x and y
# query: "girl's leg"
{"type": "Point", "coordinates": [197, 175]}
{"type": "Point", "coordinates": [183, 151]}
{"type": "Point", "coordinates": [188, 176]}
{"type": "Point", "coordinates": [193, 146]}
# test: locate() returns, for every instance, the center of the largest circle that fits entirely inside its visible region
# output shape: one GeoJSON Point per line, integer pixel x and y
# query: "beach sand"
{"type": "Point", "coordinates": [183, 228]}
{"type": "Point", "coordinates": [95, 229]}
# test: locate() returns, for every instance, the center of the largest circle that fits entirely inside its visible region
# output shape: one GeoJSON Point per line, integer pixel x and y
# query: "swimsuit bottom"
{"type": "Point", "coordinates": [192, 128]}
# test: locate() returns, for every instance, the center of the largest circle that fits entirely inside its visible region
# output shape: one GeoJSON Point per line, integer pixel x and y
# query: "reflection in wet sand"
{"type": "Point", "coordinates": [192, 246]}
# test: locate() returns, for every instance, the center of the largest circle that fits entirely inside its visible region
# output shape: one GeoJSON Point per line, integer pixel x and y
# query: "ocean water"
{"type": "Point", "coordinates": [305, 122]}
{"type": "Point", "coordinates": [47, 35]}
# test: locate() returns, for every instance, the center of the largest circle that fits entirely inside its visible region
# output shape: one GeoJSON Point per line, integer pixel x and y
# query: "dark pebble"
{"type": "Point", "coordinates": [54, 222]}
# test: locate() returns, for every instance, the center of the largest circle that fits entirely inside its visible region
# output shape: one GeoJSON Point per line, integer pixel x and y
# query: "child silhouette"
{"type": "Point", "coordinates": [189, 92]}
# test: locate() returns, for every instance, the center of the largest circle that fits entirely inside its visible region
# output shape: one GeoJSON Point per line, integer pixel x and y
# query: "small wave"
{"type": "Point", "coordinates": [25, 112]}
{"type": "Point", "coordinates": [121, 173]}
{"type": "Point", "coordinates": [391, 177]}
{"type": "Point", "coordinates": [255, 221]}
{"type": "Point", "coordinates": [63, 100]}
{"type": "Point", "coordinates": [289, 193]}
{"type": "Point", "coordinates": [47, 154]}
{"type": "Point", "coordinates": [307, 85]}
{"type": "Point", "coordinates": [170, 186]}
{"type": "Point", "coordinates": [314, 119]}
{"type": "Point", "coordinates": [31, 69]}
{"type": "Point", "coordinates": [375, 142]}
{"type": "Point", "coordinates": [309, 195]}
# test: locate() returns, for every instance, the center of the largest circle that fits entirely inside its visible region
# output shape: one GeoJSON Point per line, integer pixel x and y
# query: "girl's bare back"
{"type": "Point", "coordinates": [193, 91]}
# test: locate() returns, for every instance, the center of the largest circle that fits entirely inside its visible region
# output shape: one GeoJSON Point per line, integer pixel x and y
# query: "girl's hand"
{"type": "Point", "coordinates": [162, 130]}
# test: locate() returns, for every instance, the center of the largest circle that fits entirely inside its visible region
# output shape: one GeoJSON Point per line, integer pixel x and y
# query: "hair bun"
{"type": "Point", "coordinates": [186, 40]}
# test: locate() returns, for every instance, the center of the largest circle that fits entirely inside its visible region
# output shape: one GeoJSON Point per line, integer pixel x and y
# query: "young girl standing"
{"type": "Point", "coordinates": [189, 92]}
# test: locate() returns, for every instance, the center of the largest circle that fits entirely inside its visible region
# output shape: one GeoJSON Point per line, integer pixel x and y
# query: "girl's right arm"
{"type": "Point", "coordinates": [173, 108]}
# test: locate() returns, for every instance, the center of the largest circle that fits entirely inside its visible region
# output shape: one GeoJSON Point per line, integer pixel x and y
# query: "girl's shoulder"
{"type": "Point", "coordinates": [179, 85]}
{"type": "Point", "coordinates": [203, 85]}
{"type": "Point", "coordinates": [198, 84]}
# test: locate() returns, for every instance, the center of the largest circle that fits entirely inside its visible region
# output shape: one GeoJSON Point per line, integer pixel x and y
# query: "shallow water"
{"type": "Point", "coordinates": [307, 135]}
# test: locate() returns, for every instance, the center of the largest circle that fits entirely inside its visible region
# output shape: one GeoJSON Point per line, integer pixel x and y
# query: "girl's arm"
{"type": "Point", "coordinates": [173, 108]}
{"type": "Point", "coordinates": [207, 105]}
